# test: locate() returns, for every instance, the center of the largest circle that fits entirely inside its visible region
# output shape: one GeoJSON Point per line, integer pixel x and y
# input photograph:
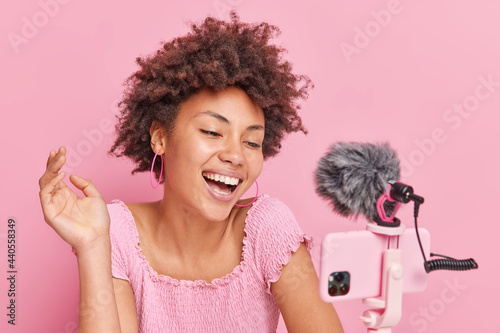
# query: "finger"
{"type": "Point", "coordinates": [50, 198]}
{"type": "Point", "coordinates": [51, 155]}
{"type": "Point", "coordinates": [54, 165]}
{"type": "Point", "coordinates": [46, 194]}
{"type": "Point", "coordinates": [46, 175]}
{"type": "Point", "coordinates": [85, 185]}
{"type": "Point", "coordinates": [56, 161]}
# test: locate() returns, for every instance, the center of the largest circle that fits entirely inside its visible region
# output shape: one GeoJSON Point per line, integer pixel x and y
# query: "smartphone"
{"type": "Point", "coordinates": [351, 263]}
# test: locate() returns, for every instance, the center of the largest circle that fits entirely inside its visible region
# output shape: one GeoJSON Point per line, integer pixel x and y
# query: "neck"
{"type": "Point", "coordinates": [189, 235]}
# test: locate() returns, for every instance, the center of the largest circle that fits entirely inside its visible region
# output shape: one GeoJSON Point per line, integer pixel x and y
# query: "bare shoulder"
{"type": "Point", "coordinates": [239, 216]}
{"type": "Point", "coordinates": [141, 207]}
{"type": "Point", "coordinates": [142, 211]}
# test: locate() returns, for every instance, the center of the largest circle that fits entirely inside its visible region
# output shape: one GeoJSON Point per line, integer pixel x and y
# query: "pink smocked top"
{"type": "Point", "coordinates": [241, 301]}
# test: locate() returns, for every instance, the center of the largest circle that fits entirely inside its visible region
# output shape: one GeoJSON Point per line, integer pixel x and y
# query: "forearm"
{"type": "Point", "coordinates": [98, 310]}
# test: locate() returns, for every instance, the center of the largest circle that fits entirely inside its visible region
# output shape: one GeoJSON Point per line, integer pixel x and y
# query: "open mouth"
{"type": "Point", "coordinates": [221, 184]}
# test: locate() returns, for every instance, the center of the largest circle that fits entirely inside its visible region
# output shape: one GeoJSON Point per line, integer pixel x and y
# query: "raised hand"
{"type": "Point", "coordinates": [81, 222]}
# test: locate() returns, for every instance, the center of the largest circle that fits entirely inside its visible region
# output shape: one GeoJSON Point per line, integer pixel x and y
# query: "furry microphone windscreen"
{"type": "Point", "coordinates": [354, 175]}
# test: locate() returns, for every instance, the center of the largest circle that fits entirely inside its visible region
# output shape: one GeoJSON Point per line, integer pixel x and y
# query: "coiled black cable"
{"type": "Point", "coordinates": [449, 263]}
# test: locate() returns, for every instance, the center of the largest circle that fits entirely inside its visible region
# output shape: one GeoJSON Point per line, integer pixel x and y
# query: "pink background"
{"type": "Point", "coordinates": [407, 64]}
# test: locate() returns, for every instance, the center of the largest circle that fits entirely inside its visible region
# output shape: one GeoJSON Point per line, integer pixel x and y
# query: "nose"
{"type": "Point", "coordinates": [232, 153]}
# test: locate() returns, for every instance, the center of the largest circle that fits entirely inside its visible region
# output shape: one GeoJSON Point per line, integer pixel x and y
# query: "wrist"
{"type": "Point", "coordinates": [98, 246]}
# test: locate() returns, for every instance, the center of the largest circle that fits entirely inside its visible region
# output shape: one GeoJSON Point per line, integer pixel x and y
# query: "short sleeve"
{"type": "Point", "coordinates": [277, 237]}
{"type": "Point", "coordinates": [117, 232]}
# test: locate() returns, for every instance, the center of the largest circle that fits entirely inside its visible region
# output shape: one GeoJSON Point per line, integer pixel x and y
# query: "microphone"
{"type": "Point", "coordinates": [362, 178]}
{"type": "Point", "coordinates": [353, 176]}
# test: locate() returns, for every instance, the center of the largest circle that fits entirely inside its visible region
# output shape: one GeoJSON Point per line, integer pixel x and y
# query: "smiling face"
{"type": "Point", "coordinates": [214, 153]}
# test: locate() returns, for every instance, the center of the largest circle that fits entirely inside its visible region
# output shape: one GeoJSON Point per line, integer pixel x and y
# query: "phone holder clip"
{"type": "Point", "coordinates": [387, 312]}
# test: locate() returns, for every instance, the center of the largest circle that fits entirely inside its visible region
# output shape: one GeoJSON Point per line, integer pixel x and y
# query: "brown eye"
{"type": "Point", "coordinates": [210, 133]}
{"type": "Point", "coordinates": [252, 144]}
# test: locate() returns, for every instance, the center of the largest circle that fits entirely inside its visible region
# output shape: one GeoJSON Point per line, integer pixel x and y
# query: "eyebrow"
{"type": "Point", "coordinates": [226, 121]}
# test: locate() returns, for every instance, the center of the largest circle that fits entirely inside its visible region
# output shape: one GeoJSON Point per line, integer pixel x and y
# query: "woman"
{"type": "Point", "coordinates": [202, 114]}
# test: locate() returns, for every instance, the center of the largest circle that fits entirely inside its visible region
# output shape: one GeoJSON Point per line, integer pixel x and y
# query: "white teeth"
{"type": "Point", "coordinates": [223, 179]}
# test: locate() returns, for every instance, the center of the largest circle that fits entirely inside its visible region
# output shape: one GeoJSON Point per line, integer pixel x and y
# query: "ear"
{"type": "Point", "coordinates": [158, 137]}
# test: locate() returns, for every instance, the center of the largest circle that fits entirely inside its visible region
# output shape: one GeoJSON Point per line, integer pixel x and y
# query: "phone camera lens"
{"type": "Point", "coordinates": [333, 290]}
{"type": "Point", "coordinates": [339, 277]}
{"type": "Point", "coordinates": [344, 289]}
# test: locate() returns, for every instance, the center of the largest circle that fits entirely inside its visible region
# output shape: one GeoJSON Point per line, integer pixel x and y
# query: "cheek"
{"type": "Point", "coordinates": [191, 149]}
{"type": "Point", "coordinates": [256, 166]}
{"type": "Point", "coordinates": [201, 153]}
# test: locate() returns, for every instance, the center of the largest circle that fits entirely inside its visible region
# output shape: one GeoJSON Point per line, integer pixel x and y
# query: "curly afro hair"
{"type": "Point", "coordinates": [215, 54]}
